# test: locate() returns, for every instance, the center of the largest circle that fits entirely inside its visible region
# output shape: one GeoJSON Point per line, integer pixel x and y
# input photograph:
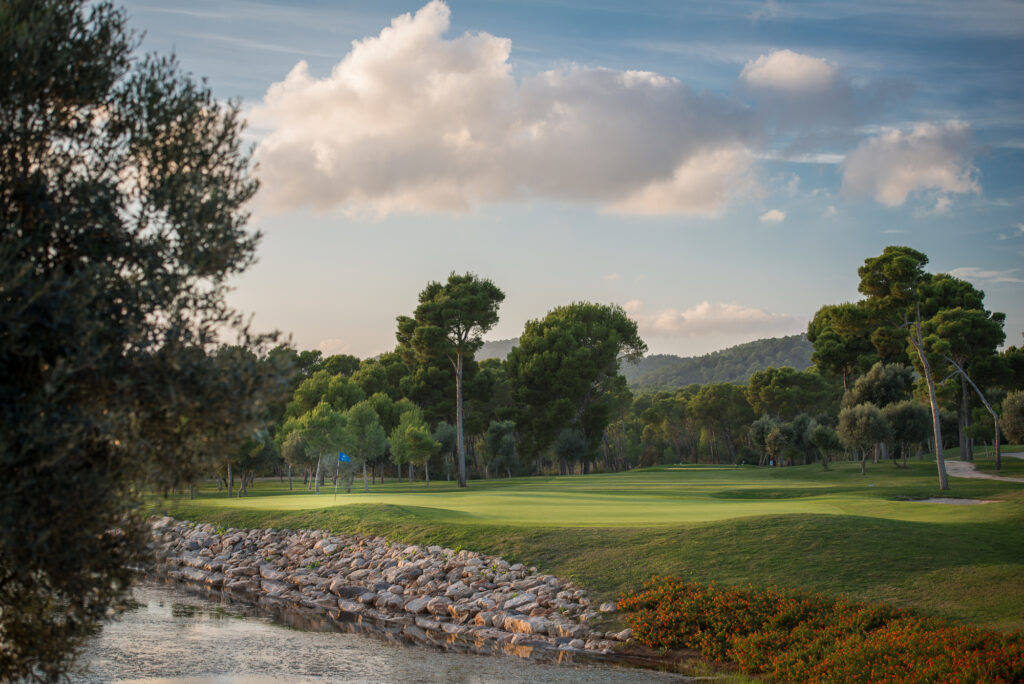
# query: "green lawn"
{"type": "Point", "coordinates": [835, 531]}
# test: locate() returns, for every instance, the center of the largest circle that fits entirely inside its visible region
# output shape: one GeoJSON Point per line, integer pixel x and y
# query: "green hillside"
{"type": "Point", "coordinates": [735, 364]}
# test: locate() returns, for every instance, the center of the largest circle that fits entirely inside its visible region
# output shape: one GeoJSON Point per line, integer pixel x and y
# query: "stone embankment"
{"type": "Point", "coordinates": [426, 592]}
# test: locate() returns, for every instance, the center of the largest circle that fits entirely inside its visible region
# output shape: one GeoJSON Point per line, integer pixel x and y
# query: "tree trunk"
{"type": "Point", "coordinates": [459, 437]}
{"type": "Point", "coordinates": [316, 477]}
{"type": "Point", "coordinates": [366, 487]}
{"type": "Point", "coordinates": [410, 472]}
{"type": "Point", "coordinates": [242, 490]}
{"type": "Point", "coordinates": [289, 477]}
{"type": "Point", "coordinates": [191, 490]}
{"type": "Point", "coordinates": [426, 470]}
{"type": "Point", "coordinates": [231, 480]}
{"type": "Point", "coordinates": [863, 461]}
{"type": "Point", "coordinates": [966, 444]}
{"type": "Point", "coordinates": [940, 462]}
{"type": "Point", "coordinates": [563, 466]}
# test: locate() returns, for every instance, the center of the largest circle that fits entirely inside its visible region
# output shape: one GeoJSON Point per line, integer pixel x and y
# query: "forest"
{"type": "Point", "coordinates": [559, 402]}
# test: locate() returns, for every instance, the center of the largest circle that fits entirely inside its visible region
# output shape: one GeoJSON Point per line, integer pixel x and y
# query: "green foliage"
{"type": "Point", "coordinates": [733, 365]}
{"type": "Point", "coordinates": [1012, 420]}
{"type": "Point", "coordinates": [841, 335]}
{"type": "Point", "coordinates": [785, 392]}
{"type": "Point", "coordinates": [884, 384]}
{"type": "Point", "coordinates": [565, 371]}
{"type": "Point", "coordinates": [909, 422]}
{"type": "Point", "coordinates": [862, 426]}
{"type": "Point", "coordinates": [121, 222]}
{"type": "Point", "coordinates": [447, 326]}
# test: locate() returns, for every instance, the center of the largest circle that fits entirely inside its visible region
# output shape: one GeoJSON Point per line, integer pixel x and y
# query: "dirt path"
{"type": "Point", "coordinates": [965, 469]}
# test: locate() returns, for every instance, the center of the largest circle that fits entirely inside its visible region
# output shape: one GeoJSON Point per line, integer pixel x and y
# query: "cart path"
{"type": "Point", "coordinates": [966, 469]}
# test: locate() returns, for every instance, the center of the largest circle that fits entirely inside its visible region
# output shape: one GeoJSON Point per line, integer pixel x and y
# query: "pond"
{"type": "Point", "coordinates": [174, 635]}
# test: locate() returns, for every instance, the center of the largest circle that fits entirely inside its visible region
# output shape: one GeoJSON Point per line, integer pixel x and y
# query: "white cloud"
{"type": "Point", "coordinates": [830, 212]}
{"type": "Point", "coordinates": [412, 121]}
{"type": "Point", "coordinates": [632, 306]}
{"type": "Point", "coordinates": [701, 185]}
{"type": "Point", "coordinates": [790, 72]}
{"type": "Point", "coordinates": [611, 277]}
{"type": "Point", "coordinates": [893, 164]}
{"type": "Point", "coordinates": [983, 275]}
{"type": "Point", "coordinates": [709, 319]}
{"type": "Point", "coordinates": [334, 345]}
{"type": "Point", "coordinates": [773, 216]}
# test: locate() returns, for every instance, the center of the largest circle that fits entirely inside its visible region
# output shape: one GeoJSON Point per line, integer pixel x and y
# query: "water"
{"type": "Point", "coordinates": [175, 636]}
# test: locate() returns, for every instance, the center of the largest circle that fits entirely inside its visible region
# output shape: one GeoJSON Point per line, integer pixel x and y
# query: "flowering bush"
{"type": "Point", "coordinates": [800, 637]}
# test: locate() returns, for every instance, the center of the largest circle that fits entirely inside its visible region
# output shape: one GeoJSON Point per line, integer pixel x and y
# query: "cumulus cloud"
{"type": "Point", "coordinates": [709, 319]}
{"type": "Point", "coordinates": [981, 275]}
{"type": "Point", "coordinates": [411, 120]}
{"type": "Point", "coordinates": [334, 345]}
{"type": "Point", "coordinates": [830, 212]}
{"type": "Point", "coordinates": [790, 72]}
{"type": "Point", "coordinates": [773, 216]}
{"type": "Point", "coordinates": [894, 164]}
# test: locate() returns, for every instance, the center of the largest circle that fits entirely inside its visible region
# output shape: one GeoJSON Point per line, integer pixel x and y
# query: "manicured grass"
{"type": "Point", "coordinates": [836, 532]}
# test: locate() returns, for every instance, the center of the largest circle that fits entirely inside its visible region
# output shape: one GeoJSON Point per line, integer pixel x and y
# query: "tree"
{"type": "Point", "coordinates": [908, 421]}
{"type": "Point", "coordinates": [894, 286]}
{"type": "Point", "coordinates": [121, 223]}
{"type": "Point", "coordinates": [966, 338]}
{"type": "Point", "coordinates": [450, 321]}
{"type": "Point", "coordinates": [365, 439]}
{"type": "Point", "coordinates": [408, 440]}
{"type": "Point", "coordinates": [444, 434]}
{"type": "Point", "coordinates": [841, 335]}
{"type": "Point", "coordinates": [724, 409]}
{"type": "Point", "coordinates": [1013, 417]}
{"type": "Point", "coordinates": [884, 384]}
{"type": "Point", "coordinates": [825, 440]}
{"type": "Point", "coordinates": [500, 442]}
{"type": "Point", "coordinates": [565, 372]}
{"type": "Point", "coordinates": [862, 426]}
{"type": "Point", "coordinates": [786, 393]}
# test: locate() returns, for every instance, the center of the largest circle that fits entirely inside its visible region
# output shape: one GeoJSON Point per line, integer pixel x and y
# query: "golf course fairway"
{"type": "Point", "coordinates": [871, 537]}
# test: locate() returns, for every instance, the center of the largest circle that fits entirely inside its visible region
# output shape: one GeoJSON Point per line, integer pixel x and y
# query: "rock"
{"type": "Point", "coordinates": [275, 588]}
{"type": "Point", "coordinates": [568, 629]}
{"type": "Point", "coordinates": [342, 589]}
{"type": "Point", "coordinates": [270, 573]}
{"type": "Point", "coordinates": [397, 589]}
{"type": "Point", "coordinates": [351, 606]}
{"type": "Point", "coordinates": [193, 574]}
{"type": "Point", "coordinates": [243, 571]}
{"type": "Point", "coordinates": [457, 591]}
{"type": "Point", "coordinates": [577, 644]}
{"type": "Point", "coordinates": [418, 605]}
{"type": "Point", "coordinates": [607, 607]}
{"type": "Point", "coordinates": [624, 635]}
{"type": "Point", "coordinates": [484, 619]}
{"type": "Point", "coordinates": [517, 601]}
{"type": "Point", "coordinates": [427, 623]}
{"type": "Point", "coordinates": [526, 625]}
{"type": "Point", "coordinates": [438, 605]}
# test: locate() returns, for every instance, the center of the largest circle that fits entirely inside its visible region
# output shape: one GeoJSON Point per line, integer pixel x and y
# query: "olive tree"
{"type": "Point", "coordinates": [121, 223]}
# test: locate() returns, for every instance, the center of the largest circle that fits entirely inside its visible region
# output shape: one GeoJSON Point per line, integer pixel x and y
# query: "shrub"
{"type": "Point", "coordinates": [800, 637]}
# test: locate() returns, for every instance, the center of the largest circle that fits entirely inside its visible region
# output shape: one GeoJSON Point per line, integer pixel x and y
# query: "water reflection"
{"type": "Point", "coordinates": [175, 636]}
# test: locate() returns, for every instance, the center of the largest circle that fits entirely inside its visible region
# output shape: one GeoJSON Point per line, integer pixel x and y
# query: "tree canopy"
{"type": "Point", "coordinates": [121, 222]}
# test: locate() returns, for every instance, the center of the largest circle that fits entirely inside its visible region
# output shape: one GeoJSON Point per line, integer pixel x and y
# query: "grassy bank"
{"type": "Point", "coordinates": [835, 532]}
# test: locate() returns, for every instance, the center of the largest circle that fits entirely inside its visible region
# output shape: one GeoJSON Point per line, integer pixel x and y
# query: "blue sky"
{"type": "Point", "coordinates": [720, 169]}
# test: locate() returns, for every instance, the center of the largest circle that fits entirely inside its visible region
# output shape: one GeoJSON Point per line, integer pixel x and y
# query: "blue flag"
{"type": "Point", "coordinates": [342, 456]}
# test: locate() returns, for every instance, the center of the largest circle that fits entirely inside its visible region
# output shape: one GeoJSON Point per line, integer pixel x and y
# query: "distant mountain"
{"type": "Point", "coordinates": [735, 364]}
{"type": "Point", "coordinates": [667, 371]}
{"type": "Point", "coordinates": [496, 349]}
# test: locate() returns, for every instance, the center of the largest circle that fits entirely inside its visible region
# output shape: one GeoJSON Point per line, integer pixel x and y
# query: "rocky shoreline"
{"type": "Point", "coordinates": [430, 595]}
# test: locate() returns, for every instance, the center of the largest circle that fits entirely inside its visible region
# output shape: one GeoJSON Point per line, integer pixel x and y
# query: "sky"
{"type": "Point", "coordinates": [719, 169]}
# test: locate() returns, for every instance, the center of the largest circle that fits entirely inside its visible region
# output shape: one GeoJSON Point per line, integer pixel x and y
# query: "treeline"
{"type": "Point", "coordinates": [917, 350]}
{"type": "Point", "coordinates": [735, 364]}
